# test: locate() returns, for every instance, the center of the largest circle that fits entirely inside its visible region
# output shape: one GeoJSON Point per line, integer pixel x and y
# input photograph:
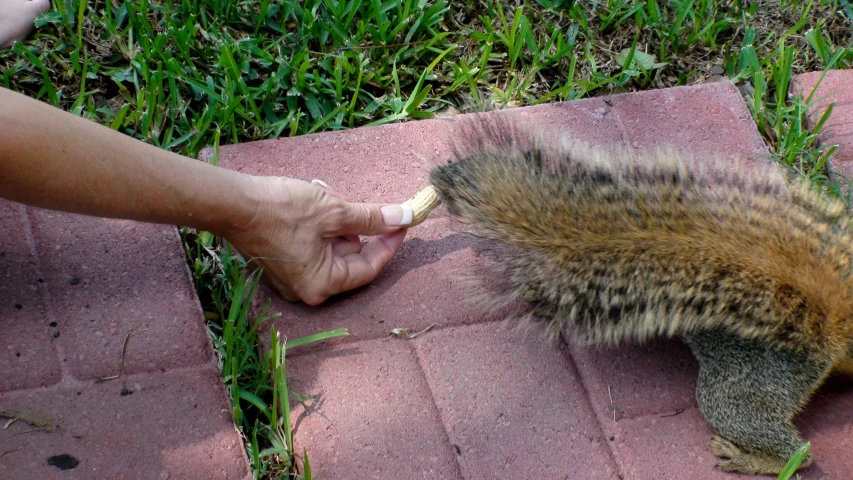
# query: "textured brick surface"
{"type": "Point", "coordinates": [73, 288]}
{"type": "Point", "coordinates": [673, 446]}
{"type": "Point", "coordinates": [513, 405]}
{"type": "Point", "coordinates": [658, 378]}
{"type": "Point", "coordinates": [498, 405]}
{"type": "Point", "coordinates": [157, 426]}
{"type": "Point", "coordinates": [102, 286]}
{"type": "Point", "coordinates": [828, 424]}
{"type": "Point", "coordinates": [676, 446]}
{"type": "Point", "coordinates": [836, 87]}
{"type": "Point", "coordinates": [708, 121]}
{"type": "Point", "coordinates": [376, 417]}
{"type": "Point", "coordinates": [27, 354]}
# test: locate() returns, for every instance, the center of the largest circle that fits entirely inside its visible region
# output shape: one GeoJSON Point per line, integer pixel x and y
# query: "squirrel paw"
{"type": "Point", "coordinates": [745, 462]}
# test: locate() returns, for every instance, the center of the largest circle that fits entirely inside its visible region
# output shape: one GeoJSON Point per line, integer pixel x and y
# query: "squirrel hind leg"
{"type": "Point", "coordinates": [733, 459]}
{"type": "Point", "coordinates": [749, 392]}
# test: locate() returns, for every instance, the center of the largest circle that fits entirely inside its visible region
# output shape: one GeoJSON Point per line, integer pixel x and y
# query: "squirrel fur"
{"type": "Point", "coordinates": [751, 270]}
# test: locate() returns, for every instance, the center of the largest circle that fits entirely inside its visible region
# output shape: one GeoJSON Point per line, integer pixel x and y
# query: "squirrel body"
{"type": "Point", "coordinates": [751, 271]}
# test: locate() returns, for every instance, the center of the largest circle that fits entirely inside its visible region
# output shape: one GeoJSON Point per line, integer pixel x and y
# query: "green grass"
{"type": "Point", "coordinates": [795, 461]}
{"type": "Point", "coordinates": [184, 75]}
{"type": "Point", "coordinates": [256, 379]}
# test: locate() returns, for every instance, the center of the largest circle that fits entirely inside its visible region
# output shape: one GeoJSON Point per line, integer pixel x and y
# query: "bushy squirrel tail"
{"type": "Point", "coordinates": [630, 247]}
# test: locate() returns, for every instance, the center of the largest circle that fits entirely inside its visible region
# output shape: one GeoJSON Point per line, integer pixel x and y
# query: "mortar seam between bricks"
{"type": "Point", "coordinates": [64, 370]}
{"type": "Point", "coordinates": [620, 468]}
{"type": "Point", "coordinates": [628, 141]}
{"type": "Point", "coordinates": [444, 428]}
{"type": "Point", "coordinates": [566, 352]}
{"type": "Point", "coordinates": [352, 339]}
{"type": "Point", "coordinates": [746, 115]}
{"type": "Point", "coordinates": [71, 382]}
{"type": "Point", "coordinates": [660, 414]}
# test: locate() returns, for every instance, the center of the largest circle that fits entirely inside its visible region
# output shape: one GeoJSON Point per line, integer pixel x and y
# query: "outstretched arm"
{"type": "Point", "coordinates": [305, 236]}
{"type": "Point", "coordinates": [56, 160]}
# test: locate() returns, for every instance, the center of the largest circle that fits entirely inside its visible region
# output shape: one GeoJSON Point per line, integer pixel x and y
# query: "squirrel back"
{"type": "Point", "coordinates": [614, 247]}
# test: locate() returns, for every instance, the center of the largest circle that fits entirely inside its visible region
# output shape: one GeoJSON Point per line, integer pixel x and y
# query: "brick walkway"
{"type": "Point", "coordinates": [471, 399]}
{"type": "Point", "coordinates": [475, 399]}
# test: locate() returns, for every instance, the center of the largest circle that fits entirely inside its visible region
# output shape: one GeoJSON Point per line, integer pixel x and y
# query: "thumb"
{"type": "Point", "coordinates": [372, 219]}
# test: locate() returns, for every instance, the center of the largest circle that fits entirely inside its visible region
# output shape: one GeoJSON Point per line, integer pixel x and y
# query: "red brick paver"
{"type": "Point", "coordinates": [75, 290]}
{"type": "Point", "coordinates": [513, 405]}
{"type": "Point", "coordinates": [387, 428]}
{"type": "Point", "coordinates": [162, 425]}
{"type": "Point", "coordinates": [100, 286]}
{"type": "Point", "coordinates": [498, 403]}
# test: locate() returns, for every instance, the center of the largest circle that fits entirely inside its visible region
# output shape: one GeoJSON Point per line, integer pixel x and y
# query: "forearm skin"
{"type": "Point", "coordinates": [53, 159]}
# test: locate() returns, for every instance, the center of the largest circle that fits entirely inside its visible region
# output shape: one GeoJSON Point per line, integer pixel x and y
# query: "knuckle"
{"type": "Point", "coordinates": [338, 214]}
{"type": "Point", "coordinates": [314, 298]}
{"type": "Point", "coordinates": [313, 293]}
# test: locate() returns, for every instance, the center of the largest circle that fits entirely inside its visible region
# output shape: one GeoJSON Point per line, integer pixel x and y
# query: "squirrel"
{"type": "Point", "coordinates": [751, 270]}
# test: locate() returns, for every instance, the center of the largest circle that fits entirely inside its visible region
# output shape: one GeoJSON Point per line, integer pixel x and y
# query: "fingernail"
{"type": "Point", "coordinates": [397, 215]}
{"type": "Point", "coordinates": [321, 183]}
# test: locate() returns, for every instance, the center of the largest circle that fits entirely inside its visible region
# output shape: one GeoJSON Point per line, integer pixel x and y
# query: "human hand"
{"type": "Point", "coordinates": [305, 236]}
